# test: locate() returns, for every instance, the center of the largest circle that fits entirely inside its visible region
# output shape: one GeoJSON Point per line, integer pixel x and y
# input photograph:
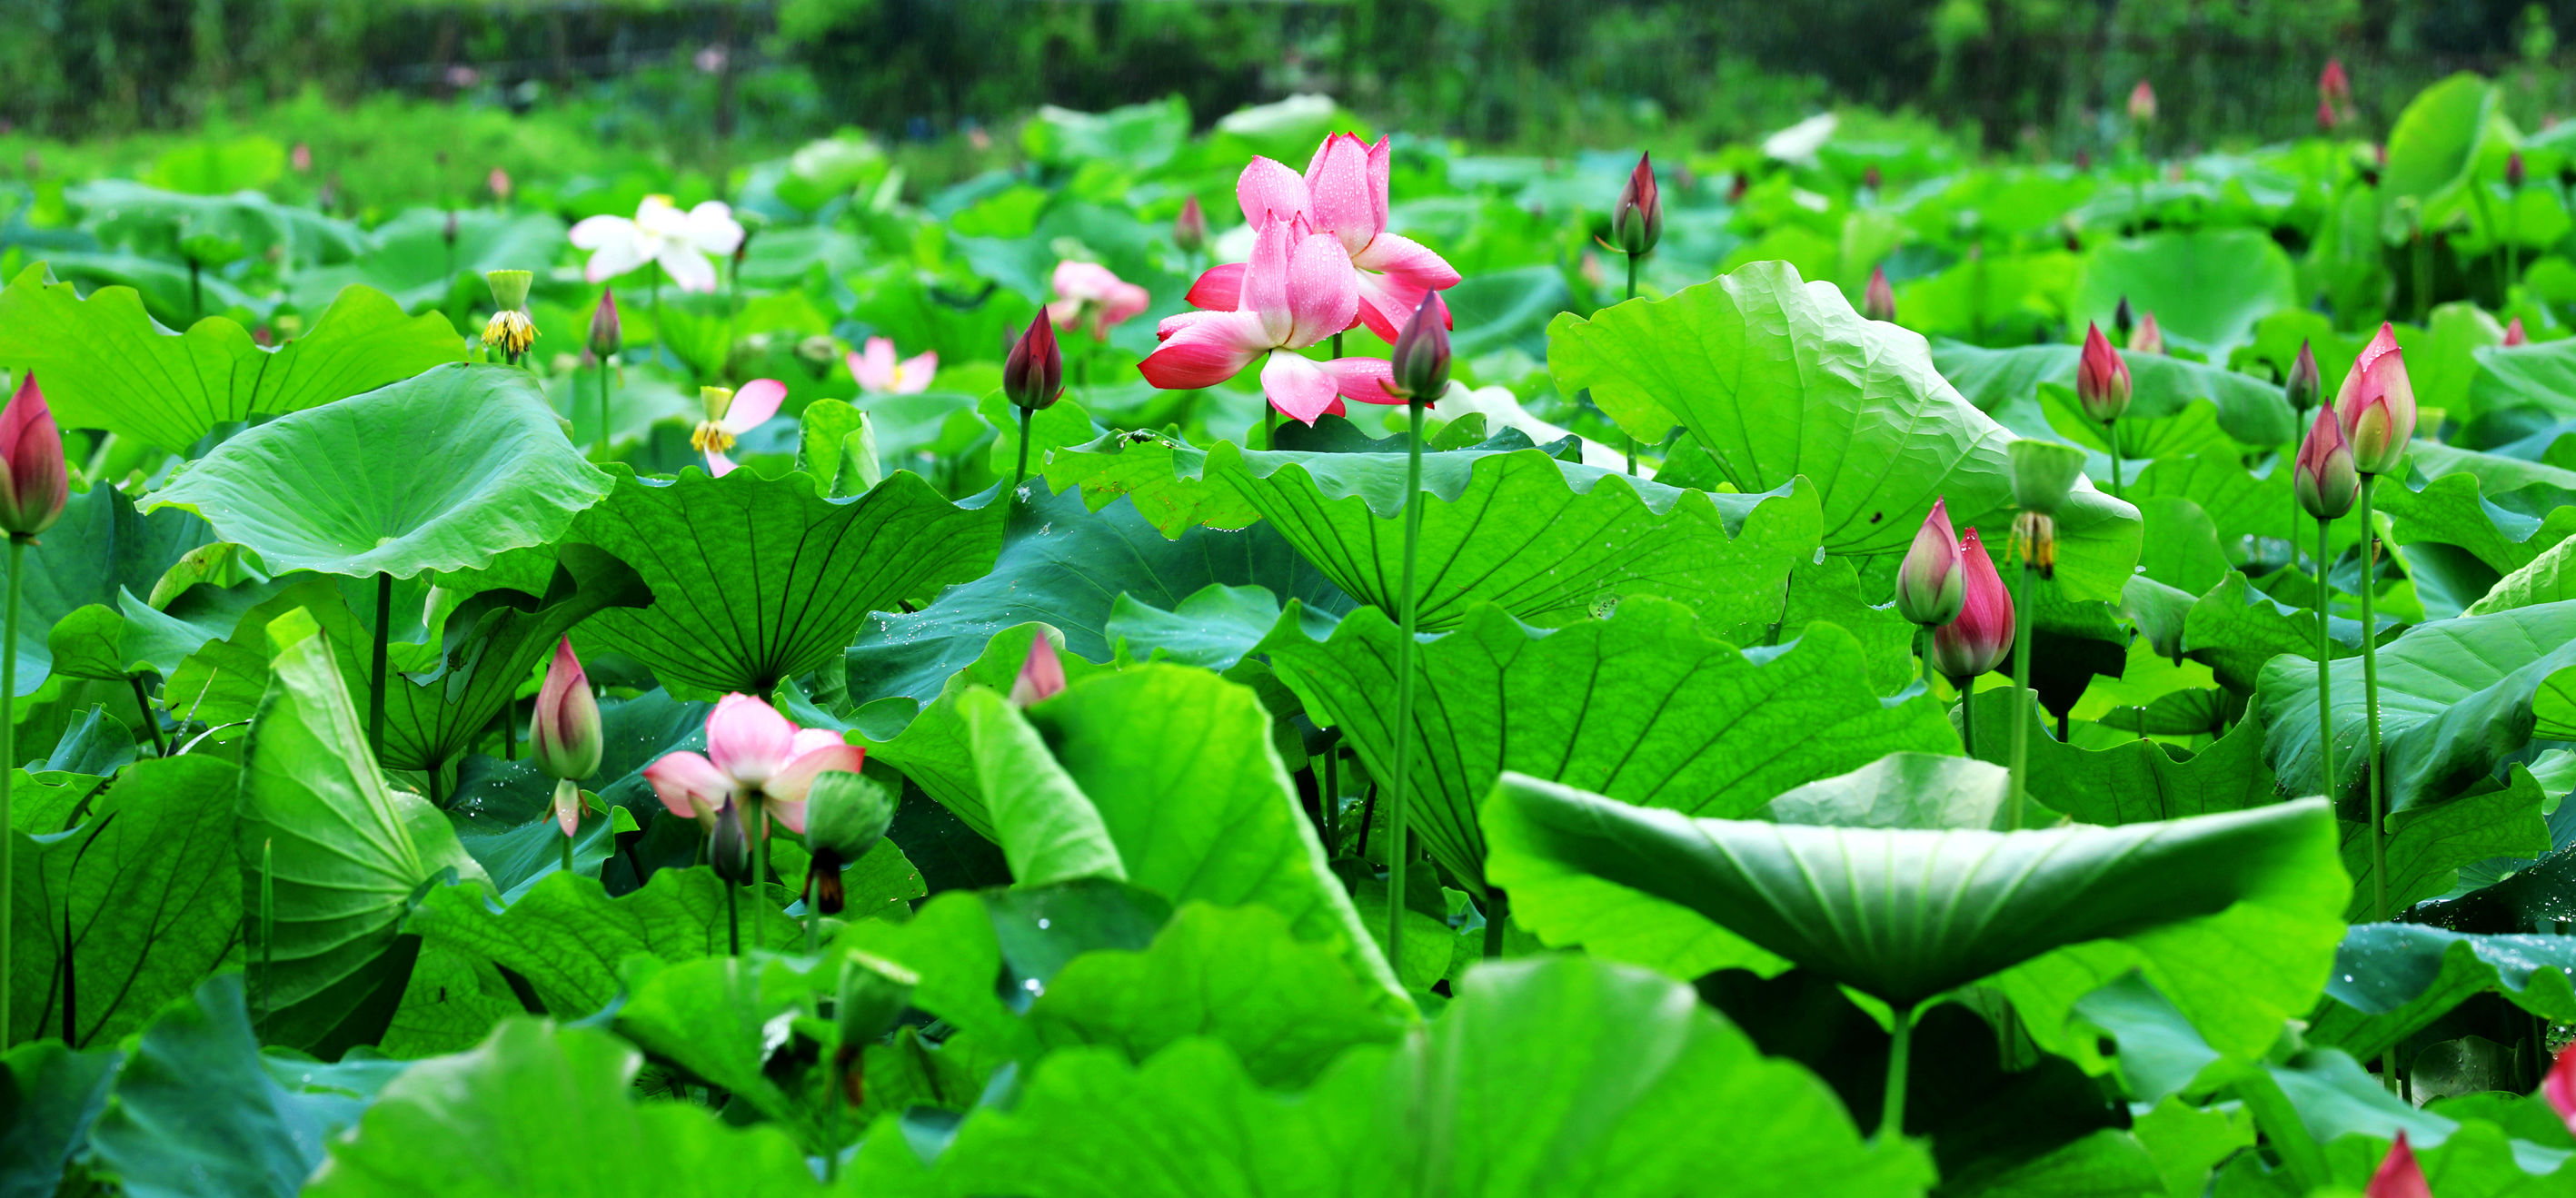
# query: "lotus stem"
{"type": "Point", "coordinates": [376, 681]}
{"type": "Point", "coordinates": [196, 294]}
{"type": "Point", "coordinates": [733, 920]}
{"type": "Point", "coordinates": [655, 284]}
{"type": "Point", "coordinates": [1398, 788]}
{"type": "Point", "coordinates": [1900, 1048]}
{"type": "Point", "coordinates": [2111, 429]}
{"type": "Point", "coordinates": [760, 863]}
{"type": "Point", "coordinates": [1332, 797]}
{"type": "Point", "coordinates": [1968, 714]}
{"type": "Point", "coordinates": [1498, 912]}
{"type": "Point", "coordinates": [267, 930]}
{"type": "Point", "coordinates": [2325, 655]}
{"type": "Point", "coordinates": [1028, 416]}
{"type": "Point", "coordinates": [1632, 437]}
{"type": "Point", "coordinates": [2370, 691]}
{"type": "Point", "coordinates": [143, 704]}
{"type": "Point", "coordinates": [603, 409]}
{"type": "Point", "coordinates": [9, 775]}
{"type": "Point", "coordinates": [567, 849]}
{"type": "Point", "coordinates": [2022, 621]}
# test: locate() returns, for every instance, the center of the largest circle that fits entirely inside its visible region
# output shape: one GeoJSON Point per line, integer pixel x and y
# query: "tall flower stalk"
{"type": "Point", "coordinates": [34, 484]}
{"type": "Point", "coordinates": [1032, 378]}
{"type": "Point", "coordinates": [1419, 373]}
{"type": "Point", "coordinates": [758, 767]}
{"type": "Point", "coordinates": [2102, 388]}
{"type": "Point", "coordinates": [1636, 224]}
{"type": "Point", "coordinates": [607, 336]}
{"type": "Point", "coordinates": [2043, 474]}
{"type": "Point", "coordinates": [2326, 487]}
{"type": "Point", "coordinates": [2304, 388]}
{"type": "Point", "coordinates": [2376, 411]}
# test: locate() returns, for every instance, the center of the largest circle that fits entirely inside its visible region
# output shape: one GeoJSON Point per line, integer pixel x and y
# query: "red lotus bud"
{"type": "Point", "coordinates": [2101, 378]}
{"type": "Point", "coordinates": [1420, 359]}
{"type": "Point", "coordinates": [2513, 172]}
{"type": "Point", "coordinates": [1971, 644]}
{"type": "Point", "coordinates": [2332, 85]}
{"type": "Point", "coordinates": [1870, 178]}
{"type": "Point", "coordinates": [564, 734]}
{"type": "Point", "coordinates": [1041, 674]}
{"type": "Point", "coordinates": [301, 158]}
{"type": "Point", "coordinates": [2515, 334]}
{"type": "Point", "coordinates": [2142, 103]}
{"type": "Point", "coordinates": [1878, 302]}
{"type": "Point", "coordinates": [2326, 118]}
{"type": "Point", "coordinates": [1931, 586]}
{"type": "Point", "coordinates": [2399, 1176]}
{"type": "Point", "coordinates": [2305, 387]}
{"type": "Point", "coordinates": [2323, 477]}
{"type": "Point", "coordinates": [2377, 405]}
{"type": "Point", "coordinates": [499, 182]}
{"type": "Point", "coordinates": [606, 335]}
{"type": "Point", "coordinates": [2148, 337]}
{"type": "Point", "coordinates": [34, 483]}
{"type": "Point", "coordinates": [1033, 372]}
{"type": "Point", "coordinates": [1190, 228]}
{"type": "Point", "coordinates": [1637, 221]}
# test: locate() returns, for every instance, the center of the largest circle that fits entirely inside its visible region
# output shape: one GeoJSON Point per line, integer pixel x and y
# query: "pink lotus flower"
{"type": "Point", "coordinates": [1088, 290]}
{"type": "Point", "coordinates": [1343, 193]}
{"type": "Point", "coordinates": [730, 414]}
{"type": "Point", "coordinates": [2377, 405]}
{"type": "Point", "coordinates": [2514, 334]}
{"type": "Point", "coordinates": [1041, 674]}
{"type": "Point", "coordinates": [1971, 644]}
{"type": "Point", "coordinates": [2559, 1088]}
{"type": "Point", "coordinates": [2399, 1176]}
{"type": "Point", "coordinates": [2322, 479]}
{"type": "Point", "coordinates": [1298, 289]}
{"type": "Point", "coordinates": [753, 753]}
{"type": "Point", "coordinates": [660, 232]}
{"type": "Point", "coordinates": [2102, 376]}
{"type": "Point", "coordinates": [877, 370]}
{"type": "Point", "coordinates": [34, 483]}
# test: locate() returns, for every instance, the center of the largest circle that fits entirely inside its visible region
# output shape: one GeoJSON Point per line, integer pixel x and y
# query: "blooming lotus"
{"type": "Point", "coordinates": [1932, 584]}
{"type": "Point", "coordinates": [877, 370]}
{"type": "Point", "coordinates": [1087, 293]}
{"type": "Point", "coordinates": [1971, 644]}
{"type": "Point", "coordinates": [1342, 193]}
{"type": "Point", "coordinates": [2323, 478]}
{"type": "Point", "coordinates": [1298, 289]}
{"type": "Point", "coordinates": [754, 756]}
{"type": "Point", "coordinates": [2102, 377]}
{"type": "Point", "coordinates": [34, 482]}
{"type": "Point", "coordinates": [660, 232]}
{"type": "Point", "coordinates": [730, 414]}
{"type": "Point", "coordinates": [2377, 405]}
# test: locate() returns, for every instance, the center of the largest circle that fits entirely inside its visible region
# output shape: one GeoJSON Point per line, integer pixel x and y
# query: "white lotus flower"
{"type": "Point", "coordinates": [661, 233]}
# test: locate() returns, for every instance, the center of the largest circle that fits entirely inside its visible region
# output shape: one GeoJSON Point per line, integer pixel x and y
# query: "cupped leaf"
{"type": "Point", "coordinates": [105, 363]}
{"type": "Point", "coordinates": [757, 580]}
{"type": "Point", "coordinates": [2393, 979]}
{"type": "Point", "coordinates": [1778, 378]}
{"type": "Point", "coordinates": [443, 471]}
{"type": "Point", "coordinates": [1901, 914]}
{"type": "Point", "coordinates": [1644, 707]}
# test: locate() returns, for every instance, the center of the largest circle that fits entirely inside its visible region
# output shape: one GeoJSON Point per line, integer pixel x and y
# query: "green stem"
{"type": "Point", "coordinates": [567, 849]}
{"type": "Point", "coordinates": [1900, 1050]}
{"type": "Point", "coordinates": [1968, 715]}
{"type": "Point", "coordinates": [813, 917]}
{"type": "Point", "coordinates": [1632, 437]}
{"type": "Point", "coordinates": [376, 681]}
{"type": "Point", "coordinates": [267, 929]}
{"type": "Point", "coordinates": [1269, 426]}
{"type": "Point", "coordinates": [143, 704]}
{"type": "Point", "coordinates": [603, 409]}
{"type": "Point", "coordinates": [1498, 913]}
{"type": "Point", "coordinates": [1923, 650]}
{"type": "Point", "coordinates": [2325, 655]}
{"type": "Point", "coordinates": [2111, 428]}
{"type": "Point", "coordinates": [8, 774]}
{"type": "Point", "coordinates": [1398, 789]}
{"type": "Point", "coordinates": [1020, 476]}
{"type": "Point", "coordinates": [656, 285]}
{"type": "Point", "coordinates": [733, 919]}
{"type": "Point", "coordinates": [2022, 622]}
{"type": "Point", "coordinates": [196, 295]}
{"type": "Point", "coordinates": [2370, 690]}
{"type": "Point", "coordinates": [1332, 799]}
{"type": "Point", "coordinates": [759, 858]}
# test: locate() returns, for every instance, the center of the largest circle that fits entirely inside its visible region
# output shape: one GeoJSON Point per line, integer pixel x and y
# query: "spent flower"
{"type": "Point", "coordinates": [730, 414]}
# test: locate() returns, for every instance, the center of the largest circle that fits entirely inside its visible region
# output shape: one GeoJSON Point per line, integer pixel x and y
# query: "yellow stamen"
{"type": "Point", "coordinates": [710, 437]}
{"type": "Point", "coordinates": [509, 331]}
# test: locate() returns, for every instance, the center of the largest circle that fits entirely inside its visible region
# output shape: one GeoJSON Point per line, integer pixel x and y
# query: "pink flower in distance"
{"type": "Point", "coordinates": [1343, 192]}
{"type": "Point", "coordinates": [1041, 674]}
{"type": "Point", "coordinates": [2515, 334]}
{"type": "Point", "coordinates": [877, 370]}
{"type": "Point", "coordinates": [730, 414]}
{"type": "Point", "coordinates": [1087, 293]}
{"type": "Point", "coordinates": [751, 749]}
{"type": "Point", "coordinates": [2559, 1088]}
{"type": "Point", "coordinates": [1298, 289]}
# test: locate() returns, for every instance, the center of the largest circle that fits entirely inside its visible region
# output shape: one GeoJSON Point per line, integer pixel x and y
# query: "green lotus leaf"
{"type": "Point", "coordinates": [443, 471]}
{"type": "Point", "coordinates": [99, 550]}
{"type": "Point", "coordinates": [1780, 379]}
{"type": "Point", "coordinates": [567, 935]}
{"type": "Point", "coordinates": [1643, 706]}
{"type": "Point", "coordinates": [2428, 847]}
{"type": "Point", "coordinates": [50, 1097]}
{"type": "Point", "coordinates": [2444, 140]}
{"type": "Point", "coordinates": [2393, 979]}
{"type": "Point", "coordinates": [2207, 288]}
{"type": "Point", "coordinates": [935, 749]}
{"type": "Point", "coordinates": [2548, 578]}
{"type": "Point", "coordinates": [2141, 781]}
{"type": "Point", "coordinates": [758, 580]}
{"type": "Point", "coordinates": [105, 363]}
{"type": "Point", "coordinates": [2459, 508]}
{"type": "Point", "coordinates": [1901, 790]}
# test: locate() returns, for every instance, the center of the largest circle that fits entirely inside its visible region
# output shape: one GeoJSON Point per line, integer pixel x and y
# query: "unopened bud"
{"type": "Point", "coordinates": [2513, 172]}
{"type": "Point", "coordinates": [1637, 221]}
{"type": "Point", "coordinates": [729, 847]}
{"type": "Point", "coordinates": [1419, 362]}
{"type": "Point", "coordinates": [1190, 228]}
{"type": "Point", "coordinates": [1878, 301]}
{"type": "Point", "coordinates": [34, 481]}
{"type": "Point", "coordinates": [1033, 372]}
{"type": "Point", "coordinates": [2123, 318]}
{"type": "Point", "coordinates": [2305, 386]}
{"type": "Point", "coordinates": [2101, 379]}
{"type": "Point", "coordinates": [1932, 583]}
{"type": "Point", "coordinates": [564, 734]}
{"type": "Point", "coordinates": [2148, 337]}
{"type": "Point", "coordinates": [2323, 478]}
{"type": "Point", "coordinates": [605, 334]}
{"type": "Point", "coordinates": [1041, 674]}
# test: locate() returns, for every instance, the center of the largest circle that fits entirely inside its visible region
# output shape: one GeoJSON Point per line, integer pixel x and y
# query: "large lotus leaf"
{"type": "Point", "coordinates": [1780, 379]}
{"type": "Point", "coordinates": [344, 852]}
{"type": "Point", "coordinates": [443, 471]}
{"type": "Point", "coordinates": [567, 936]}
{"type": "Point", "coordinates": [2206, 287]}
{"type": "Point", "coordinates": [423, 256]}
{"type": "Point", "coordinates": [1555, 1076]}
{"type": "Point", "coordinates": [2393, 979]}
{"type": "Point", "coordinates": [105, 363]}
{"type": "Point", "coordinates": [1070, 568]}
{"type": "Point", "coordinates": [2428, 846]}
{"type": "Point", "coordinates": [1902, 914]}
{"type": "Point", "coordinates": [1643, 707]}
{"type": "Point", "coordinates": [2548, 578]}
{"type": "Point", "coordinates": [1049, 832]}
{"type": "Point", "coordinates": [2355, 1115]}
{"type": "Point", "coordinates": [1901, 790]}
{"type": "Point", "coordinates": [100, 549]}
{"type": "Point", "coordinates": [935, 750]}
{"type": "Point", "coordinates": [2136, 782]}
{"type": "Point", "coordinates": [2540, 376]}
{"type": "Point", "coordinates": [757, 580]}
{"type": "Point", "coordinates": [132, 638]}
{"type": "Point", "coordinates": [2455, 698]}
{"type": "Point", "coordinates": [2003, 382]}
{"type": "Point", "coordinates": [50, 1096]}
{"type": "Point", "coordinates": [2435, 149]}
{"type": "Point", "coordinates": [538, 1109]}
{"type": "Point", "coordinates": [130, 910]}
{"type": "Point", "coordinates": [2460, 508]}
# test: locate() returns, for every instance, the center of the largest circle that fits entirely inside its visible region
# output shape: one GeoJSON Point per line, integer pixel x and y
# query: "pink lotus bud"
{"type": "Point", "coordinates": [2305, 387]}
{"type": "Point", "coordinates": [1971, 644]}
{"type": "Point", "coordinates": [2559, 1088]}
{"type": "Point", "coordinates": [563, 735]}
{"type": "Point", "coordinates": [302, 158]}
{"type": "Point", "coordinates": [2323, 478]}
{"type": "Point", "coordinates": [606, 335]}
{"type": "Point", "coordinates": [1870, 178]}
{"type": "Point", "coordinates": [2514, 334]}
{"type": "Point", "coordinates": [2513, 172]}
{"type": "Point", "coordinates": [2142, 103]}
{"type": "Point", "coordinates": [34, 483]}
{"type": "Point", "coordinates": [1419, 363]}
{"type": "Point", "coordinates": [2399, 1176]}
{"type": "Point", "coordinates": [2332, 85]}
{"type": "Point", "coordinates": [2148, 337]}
{"type": "Point", "coordinates": [499, 182]}
{"type": "Point", "coordinates": [1033, 372]}
{"type": "Point", "coordinates": [2377, 405]}
{"type": "Point", "coordinates": [1637, 220]}
{"type": "Point", "coordinates": [1190, 229]}
{"type": "Point", "coordinates": [1878, 302]}
{"type": "Point", "coordinates": [1041, 675]}
{"type": "Point", "coordinates": [1932, 586]}
{"type": "Point", "coordinates": [2326, 118]}
{"type": "Point", "coordinates": [2101, 378]}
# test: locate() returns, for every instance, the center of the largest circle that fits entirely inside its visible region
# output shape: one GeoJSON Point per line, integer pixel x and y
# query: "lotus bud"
{"type": "Point", "coordinates": [1637, 220]}
{"type": "Point", "coordinates": [2123, 318]}
{"type": "Point", "coordinates": [2323, 477]}
{"type": "Point", "coordinates": [1878, 301]}
{"type": "Point", "coordinates": [2514, 334]}
{"type": "Point", "coordinates": [1971, 644]}
{"type": "Point", "coordinates": [1420, 359]}
{"type": "Point", "coordinates": [2305, 387]}
{"type": "Point", "coordinates": [2513, 172]}
{"type": "Point", "coordinates": [2148, 337]}
{"type": "Point", "coordinates": [34, 482]}
{"type": "Point", "coordinates": [2101, 378]}
{"type": "Point", "coordinates": [2559, 1088]}
{"type": "Point", "coordinates": [2142, 103]}
{"type": "Point", "coordinates": [1931, 586]}
{"type": "Point", "coordinates": [1033, 372]}
{"type": "Point", "coordinates": [301, 158]}
{"type": "Point", "coordinates": [499, 182]}
{"type": "Point", "coordinates": [2377, 405]}
{"type": "Point", "coordinates": [1190, 228]}
{"type": "Point", "coordinates": [2399, 1176]}
{"type": "Point", "coordinates": [606, 336]}
{"type": "Point", "coordinates": [1041, 674]}
{"type": "Point", "coordinates": [729, 847]}
{"type": "Point", "coordinates": [564, 734]}
{"type": "Point", "coordinates": [846, 813]}
{"type": "Point", "coordinates": [872, 997]}
{"type": "Point", "coordinates": [2083, 162]}
{"type": "Point", "coordinates": [2043, 473]}
{"type": "Point", "coordinates": [2326, 118]}
{"type": "Point", "coordinates": [2332, 84]}
{"type": "Point", "coordinates": [2034, 540]}
{"type": "Point", "coordinates": [1870, 178]}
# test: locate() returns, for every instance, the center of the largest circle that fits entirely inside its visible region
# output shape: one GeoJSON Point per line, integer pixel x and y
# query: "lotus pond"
{"type": "Point", "coordinates": [1283, 661]}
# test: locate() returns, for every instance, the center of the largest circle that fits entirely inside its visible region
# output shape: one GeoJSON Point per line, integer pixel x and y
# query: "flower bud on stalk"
{"type": "Point", "coordinates": [2149, 338]}
{"type": "Point", "coordinates": [873, 995]}
{"type": "Point", "coordinates": [2123, 318]}
{"type": "Point", "coordinates": [2513, 171]}
{"type": "Point", "coordinates": [34, 482]}
{"type": "Point", "coordinates": [564, 733]}
{"type": "Point", "coordinates": [1878, 302]}
{"type": "Point", "coordinates": [1637, 221]}
{"type": "Point", "coordinates": [1870, 178]}
{"type": "Point", "coordinates": [846, 814]}
{"type": "Point", "coordinates": [2323, 477]}
{"type": "Point", "coordinates": [2043, 473]}
{"type": "Point", "coordinates": [2142, 103]}
{"type": "Point", "coordinates": [2034, 539]}
{"type": "Point", "coordinates": [509, 330]}
{"type": "Point", "coordinates": [2333, 86]}
{"type": "Point", "coordinates": [1041, 674]}
{"type": "Point", "coordinates": [2377, 405]}
{"type": "Point", "coordinates": [1190, 228]}
{"type": "Point", "coordinates": [1972, 643]}
{"type": "Point", "coordinates": [2101, 379]}
{"type": "Point", "coordinates": [499, 182]}
{"type": "Point", "coordinates": [1420, 360]}
{"type": "Point", "coordinates": [729, 847]}
{"type": "Point", "coordinates": [1033, 372]}
{"type": "Point", "coordinates": [1931, 585]}
{"type": "Point", "coordinates": [607, 336]}
{"type": "Point", "coordinates": [2305, 386]}
{"type": "Point", "coordinates": [2515, 334]}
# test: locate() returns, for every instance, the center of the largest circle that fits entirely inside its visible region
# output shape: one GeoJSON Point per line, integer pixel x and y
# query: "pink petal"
{"type": "Point", "coordinates": [1206, 351]}
{"type": "Point", "coordinates": [874, 368]}
{"type": "Point", "coordinates": [1177, 321]}
{"type": "Point", "coordinates": [718, 465]}
{"type": "Point", "coordinates": [598, 232]}
{"type": "Point", "coordinates": [915, 373]}
{"type": "Point", "coordinates": [793, 782]}
{"type": "Point", "coordinates": [1363, 379]}
{"type": "Point", "coordinates": [789, 815]}
{"type": "Point", "coordinates": [1404, 258]}
{"type": "Point", "coordinates": [1323, 291]}
{"type": "Point", "coordinates": [1265, 277]}
{"type": "Point", "coordinates": [1221, 288]}
{"type": "Point", "coordinates": [1298, 386]}
{"type": "Point", "coordinates": [753, 405]}
{"type": "Point", "coordinates": [1267, 188]}
{"type": "Point", "coordinates": [1386, 303]}
{"type": "Point", "coordinates": [1124, 302]}
{"type": "Point", "coordinates": [1381, 164]}
{"type": "Point", "coordinates": [807, 740]}
{"type": "Point", "coordinates": [678, 778]}
{"type": "Point", "coordinates": [1083, 281]}
{"type": "Point", "coordinates": [1062, 312]}
{"type": "Point", "coordinates": [1338, 182]}
{"type": "Point", "coordinates": [748, 739]}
